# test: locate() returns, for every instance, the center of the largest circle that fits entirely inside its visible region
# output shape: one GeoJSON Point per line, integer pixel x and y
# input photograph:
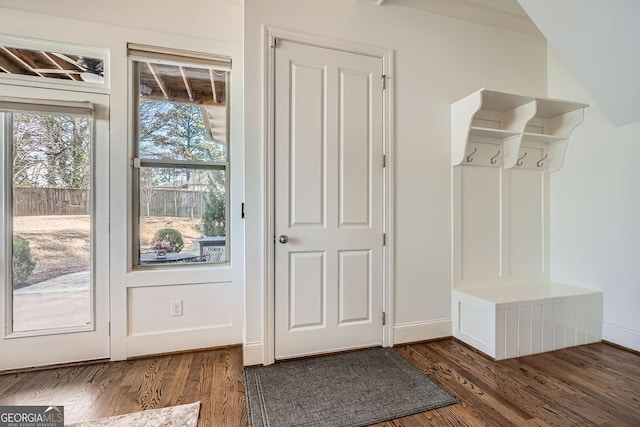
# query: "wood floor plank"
{"type": "Point", "coordinates": [506, 382]}
{"type": "Point", "coordinates": [597, 384]}
{"type": "Point", "coordinates": [465, 387]}
{"type": "Point", "coordinates": [589, 392]}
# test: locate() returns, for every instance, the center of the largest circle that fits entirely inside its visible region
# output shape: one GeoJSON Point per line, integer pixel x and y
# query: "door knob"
{"type": "Point", "coordinates": [283, 238]}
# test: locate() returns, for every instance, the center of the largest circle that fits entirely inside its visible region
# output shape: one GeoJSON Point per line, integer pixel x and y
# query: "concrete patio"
{"type": "Point", "coordinates": [63, 302]}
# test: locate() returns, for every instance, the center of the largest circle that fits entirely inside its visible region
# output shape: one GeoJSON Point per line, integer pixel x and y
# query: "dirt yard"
{"type": "Point", "coordinates": [60, 243]}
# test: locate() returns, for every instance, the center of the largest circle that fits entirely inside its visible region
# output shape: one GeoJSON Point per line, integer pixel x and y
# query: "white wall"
{"type": "Point", "coordinates": [438, 60]}
{"type": "Point", "coordinates": [219, 20]}
{"type": "Point", "coordinates": [595, 210]}
{"type": "Point", "coordinates": [213, 296]}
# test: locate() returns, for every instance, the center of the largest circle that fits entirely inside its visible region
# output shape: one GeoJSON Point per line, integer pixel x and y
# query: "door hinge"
{"type": "Point", "coordinates": [384, 81]}
{"type": "Point", "coordinates": [384, 160]}
{"type": "Point", "coordinates": [135, 162]}
{"type": "Point", "coordinates": [242, 211]}
{"type": "Point", "coordinates": [384, 318]}
{"type": "Point", "coordinates": [276, 42]}
{"type": "Point", "coordinates": [109, 328]}
{"type": "Point", "coordinates": [384, 239]}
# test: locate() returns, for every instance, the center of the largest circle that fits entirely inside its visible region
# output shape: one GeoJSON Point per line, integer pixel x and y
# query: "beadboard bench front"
{"type": "Point", "coordinates": [519, 320]}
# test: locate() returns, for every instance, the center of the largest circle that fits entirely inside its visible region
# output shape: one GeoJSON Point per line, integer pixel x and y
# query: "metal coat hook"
{"type": "Point", "coordinates": [493, 159]}
{"type": "Point", "coordinates": [539, 162]}
{"type": "Point", "coordinates": [519, 162]}
{"type": "Point", "coordinates": [470, 156]}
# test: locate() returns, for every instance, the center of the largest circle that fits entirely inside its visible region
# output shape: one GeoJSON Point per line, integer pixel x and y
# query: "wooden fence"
{"type": "Point", "coordinates": [30, 201]}
{"type": "Point", "coordinates": [173, 202]}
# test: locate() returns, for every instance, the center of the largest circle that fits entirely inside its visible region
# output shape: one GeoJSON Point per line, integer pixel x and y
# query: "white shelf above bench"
{"type": "Point", "coordinates": [542, 138]}
{"type": "Point", "coordinates": [516, 123]}
{"type": "Point", "coordinates": [493, 135]}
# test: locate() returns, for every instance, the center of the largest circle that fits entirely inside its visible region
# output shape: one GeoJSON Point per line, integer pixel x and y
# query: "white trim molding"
{"type": "Point", "coordinates": [180, 340]}
{"type": "Point", "coordinates": [252, 353]}
{"type": "Point", "coordinates": [421, 331]}
{"type": "Point", "coordinates": [621, 336]}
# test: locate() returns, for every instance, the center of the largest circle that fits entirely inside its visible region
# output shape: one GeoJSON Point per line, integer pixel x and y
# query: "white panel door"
{"type": "Point", "coordinates": [329, 200]}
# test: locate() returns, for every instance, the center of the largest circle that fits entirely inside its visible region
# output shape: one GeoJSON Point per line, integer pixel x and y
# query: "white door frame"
{"type": "Point", "coordinates": [387, 55]}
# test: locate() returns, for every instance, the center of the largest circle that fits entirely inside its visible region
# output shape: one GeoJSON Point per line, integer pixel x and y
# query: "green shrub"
{"type": "Point", "coordinates": [171, 236]}
{"type": "Point", "coordinates": [23, 265]}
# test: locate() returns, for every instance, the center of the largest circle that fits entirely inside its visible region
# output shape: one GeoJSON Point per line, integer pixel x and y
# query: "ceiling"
{"type": "Point", "coordinates": [45, 64]}
{"type": "Point", "coordinates": [511, 6]}
{"type": "Point", "coordinates": [599, 41]}
{"type": "Point", "coordinates": [185, 84]}
{"type": "Point", "coordinates": [505, 14]}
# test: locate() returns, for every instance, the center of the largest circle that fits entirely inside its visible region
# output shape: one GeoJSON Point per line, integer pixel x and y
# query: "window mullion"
{"type": "Point", "coordinates": [181, 164]}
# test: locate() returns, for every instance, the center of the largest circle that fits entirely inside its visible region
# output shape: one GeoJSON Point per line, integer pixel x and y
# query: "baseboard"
{"type": "Point", "coordinates": [252, 353]}
{"type": "Point", "coordinates": [402, 333]}
{"type": "Point", "coordinates": [187, 351]}
{"type": "Point", "coordinates": [421, 331]}
{"type": "Point", "coordinates": [621, 336]}
{"type": "Point", "coordinates": [181, 340]}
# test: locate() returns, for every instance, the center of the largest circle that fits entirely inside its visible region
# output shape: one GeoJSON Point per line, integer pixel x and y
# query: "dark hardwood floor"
{"type": "Point", "coordinates": [597, 384]}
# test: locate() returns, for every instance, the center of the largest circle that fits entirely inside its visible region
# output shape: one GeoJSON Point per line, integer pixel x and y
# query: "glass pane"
{"type": "Point", "coordinates": [51, 65]}
{"type": "Point", "coordinates": [51, 222]}
{"type": "Point", "coordinates": [182, 216]}
{"type": "Point", "coordinates": [183, 181]}
{"type": "Point", "coordinates": [171, 131]}
{"type": "Point", "coordinates": [182, 112]}
{"type": "Point", "coordinates": [182, 84]}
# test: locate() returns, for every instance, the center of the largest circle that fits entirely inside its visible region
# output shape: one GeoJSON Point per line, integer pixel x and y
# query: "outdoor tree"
{"type": "Point", "coordinates": [51, 151]}
{"type": "Point", "coordinates": [178, 132]}
{"type": "Point", "coordinates": [213, 217]}
{"type": "Point", "coordinates": [148, 184]}
{"type": "Point", "coordinates": [27, 151]}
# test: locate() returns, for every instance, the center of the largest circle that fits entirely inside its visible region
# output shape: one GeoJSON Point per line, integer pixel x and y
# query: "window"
{"type": "Point", "coordinates": [50, 61]}
{"type": "Point", "coordinates": [181, 159]}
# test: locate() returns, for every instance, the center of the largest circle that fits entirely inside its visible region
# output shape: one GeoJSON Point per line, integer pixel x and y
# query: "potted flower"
{"type": "Point", "coordinates": [161, 249]}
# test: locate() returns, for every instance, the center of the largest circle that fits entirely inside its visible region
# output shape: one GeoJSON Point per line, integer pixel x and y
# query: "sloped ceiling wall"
{"type": "Point", "coordinates": [505, 14]}
{"type": "Point", "coordinates": [600, 42]}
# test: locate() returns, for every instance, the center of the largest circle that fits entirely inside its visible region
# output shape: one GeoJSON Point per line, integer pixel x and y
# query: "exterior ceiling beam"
{"type": "Point", "coordinates": [20, 60]}
{"type": "Point", "coordinates": [187, 85]}
{"type": "Point", "coordinates": [213, 86]}
{"type": "Point", "coordinates": [59, 66]}
{"type": "Point", "coordinates": [161, 84]}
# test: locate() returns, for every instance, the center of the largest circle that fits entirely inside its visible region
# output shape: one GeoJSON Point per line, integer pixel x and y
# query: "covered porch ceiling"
{"type": "Point", "coordinates": [158, 81]}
